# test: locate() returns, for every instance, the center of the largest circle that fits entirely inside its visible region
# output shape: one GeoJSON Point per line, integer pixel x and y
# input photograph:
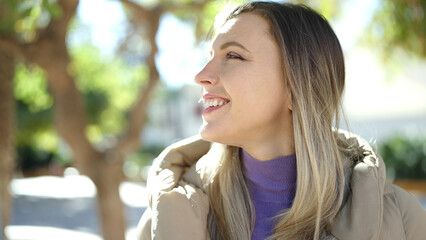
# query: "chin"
{"type": "Point", "coordinates": [213, 135]}
{"type": "Point", "coordinates": [207, 135]}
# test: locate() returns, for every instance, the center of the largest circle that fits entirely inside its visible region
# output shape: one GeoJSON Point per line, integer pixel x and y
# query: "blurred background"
{"type": "Point", "coordinates": [91, 91]}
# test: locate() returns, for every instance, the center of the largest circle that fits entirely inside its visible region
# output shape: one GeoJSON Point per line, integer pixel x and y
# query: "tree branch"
{"type": "Point", "coordinates": [11, 47]}
{"type": "Point", "coordinates": [138, 114]}
{"type": "Point", "coordinates": [69, 110]}
{"type": "Point", "coordinates": [56, 28]}
{"type": "Point", "coordinates": [7, 126]}
{"type": "Point", "coordinates": [141, 12]}
{"type": "Point", "coordinates": [50, 52]}
{"type": "Point", "coordinates": [186, 7]}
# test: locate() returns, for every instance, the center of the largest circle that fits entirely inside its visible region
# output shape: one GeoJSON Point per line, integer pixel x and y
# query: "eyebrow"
{"type": "Point", "coordinates": [233, 43]}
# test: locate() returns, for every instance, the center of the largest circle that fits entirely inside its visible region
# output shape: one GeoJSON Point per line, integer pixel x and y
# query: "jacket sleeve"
{"type": "Point", "coordinates": [143, 230]}
{"type": "Point", "coordinates": [413, 215]}
{"type": "Point", "coordinates": [176, 209]}
{"type": "Point", "coordinates": [168, 168]}
{"type": "Point", "coordinates": [180, 214]}
{"type": "Point", "coordinates": [177, 214]}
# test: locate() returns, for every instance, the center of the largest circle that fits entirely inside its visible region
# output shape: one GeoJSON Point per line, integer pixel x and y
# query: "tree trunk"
{"type": "Point", "coordinates": [70, 121]}
{"type": "Point", "coordinates": [7, 114]}
{"type": "Point", "coordinates": [111, 207]}
{"type": "Point", "coordinates": [103, 168]}
{"type": "Point", "coordinates": [70, 118]}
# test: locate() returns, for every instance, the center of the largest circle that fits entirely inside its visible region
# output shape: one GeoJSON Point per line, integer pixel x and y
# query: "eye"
{"type": "Point", "coordinates": [232, 55]}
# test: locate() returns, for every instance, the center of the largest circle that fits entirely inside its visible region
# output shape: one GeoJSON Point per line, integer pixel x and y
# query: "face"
{"type": "Point", "coordinates": [244, 93]}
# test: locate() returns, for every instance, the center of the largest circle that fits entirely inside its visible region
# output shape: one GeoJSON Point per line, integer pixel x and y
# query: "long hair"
{"type": "Point", "coordinates": [313, 68]}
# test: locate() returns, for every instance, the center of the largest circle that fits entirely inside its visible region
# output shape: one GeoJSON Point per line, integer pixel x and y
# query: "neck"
{"type": "Point", "coordinates": [270, 151]}
{"type": "Point", "coordinates": [271, 147]}
{"type": "Point", "coordinates": [268, 141]}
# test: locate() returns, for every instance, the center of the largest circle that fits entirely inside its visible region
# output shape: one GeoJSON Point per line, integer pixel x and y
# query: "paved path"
{"type": "Point", "coordinates": [65, 208]}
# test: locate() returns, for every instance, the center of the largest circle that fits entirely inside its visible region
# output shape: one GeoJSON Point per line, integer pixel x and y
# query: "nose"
{"type": "Point", "coordinates": [207, 76]}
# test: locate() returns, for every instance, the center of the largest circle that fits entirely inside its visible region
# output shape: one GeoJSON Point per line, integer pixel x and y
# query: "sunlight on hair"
{"type": "Point", "coordinates": [220, 18]}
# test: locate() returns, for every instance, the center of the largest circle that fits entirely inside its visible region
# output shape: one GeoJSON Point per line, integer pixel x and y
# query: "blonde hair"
{"type": "Point", "coordinates": [313, 68]}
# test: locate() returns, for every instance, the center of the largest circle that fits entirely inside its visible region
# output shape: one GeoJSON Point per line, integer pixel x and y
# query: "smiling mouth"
{"type": "Point", "coordinates": [211, 103]}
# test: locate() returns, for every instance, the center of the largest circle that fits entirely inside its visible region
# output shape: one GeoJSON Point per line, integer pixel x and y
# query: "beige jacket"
{"type": "Point", "coordinates": [372, 208]}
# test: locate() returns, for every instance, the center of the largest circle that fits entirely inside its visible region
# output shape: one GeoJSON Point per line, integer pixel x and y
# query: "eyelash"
{"type": "Point", "coordinates": [231, 56]}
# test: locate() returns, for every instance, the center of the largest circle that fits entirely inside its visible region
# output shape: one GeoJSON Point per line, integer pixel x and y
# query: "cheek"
{"type": "Point", "coordinates": [256, 89]}
{"type": "Point", "coordinates": [265, 101]}
{"type": "Point", "coordinates": [258, 105]}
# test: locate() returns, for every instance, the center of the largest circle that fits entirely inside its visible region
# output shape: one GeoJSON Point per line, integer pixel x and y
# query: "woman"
{"type": "Point", "coordinates": [278, 168]}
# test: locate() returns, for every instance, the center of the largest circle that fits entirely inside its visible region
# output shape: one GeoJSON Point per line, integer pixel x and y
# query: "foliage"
{"type": "Point", "coordinates": [36, 140]}
{"type": "Point", "coordinates": [399, 24]}
{"type": "Point", "coordinates": [31, 88]}
{"type": "Point", "coordinates": [206, 17]}
{"type": "Point", "coordinates": [25, 17]}
{"type": "Point", "coordinates": [405, 157]}
{"type": "Point", "coordinates": [108, 84]}
{"type": "Point", "coordinates": [35, 137]}
{"type": "Point", "coordinates": [328, 8]}
{"type": "Point", "coordinates": [110, 87]}
{"type": "Point", "coordinates": [137, 163]}
{"type": "Point", "coordinates": [35, 134]}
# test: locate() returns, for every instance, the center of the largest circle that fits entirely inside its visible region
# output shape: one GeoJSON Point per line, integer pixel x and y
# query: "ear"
{"type": "Point", "coordinates": [289, 102]}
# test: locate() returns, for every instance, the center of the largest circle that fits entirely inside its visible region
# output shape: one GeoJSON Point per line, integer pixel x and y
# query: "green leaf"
{"type": "Point", "coordinates": [110, 87]}
{"type": "Point", "coordinates": [31, 88]}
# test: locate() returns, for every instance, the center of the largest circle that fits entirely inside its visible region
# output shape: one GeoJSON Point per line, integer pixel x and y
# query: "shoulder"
{"type": "Point", "coordinates": [401, 205]}
{"type": "Point", "coordinates": [168, 168]}
{"type": "Point", "coordinates": [176, 214]}
{"type": "Point", "coordinates": [178, 207]}
{"type": "Point", "coordinates": [373, 208]}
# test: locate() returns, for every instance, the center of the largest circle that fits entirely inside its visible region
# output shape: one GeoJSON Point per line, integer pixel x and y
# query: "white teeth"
{"type": "Point", "coordinates": [213, 102]}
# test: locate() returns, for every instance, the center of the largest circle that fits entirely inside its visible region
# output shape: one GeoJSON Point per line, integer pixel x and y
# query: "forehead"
{"type": "Point", "coordinates": [245, 28]}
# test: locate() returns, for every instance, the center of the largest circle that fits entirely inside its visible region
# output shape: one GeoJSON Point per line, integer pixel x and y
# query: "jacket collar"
{"type": "Point", "coordinates": [361, 214]}
{"type": "Point", "coordinates": [362, 206]}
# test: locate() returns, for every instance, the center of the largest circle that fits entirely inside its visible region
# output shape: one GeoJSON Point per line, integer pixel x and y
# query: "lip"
{"type": "Point", "coordinates": [212, 96]}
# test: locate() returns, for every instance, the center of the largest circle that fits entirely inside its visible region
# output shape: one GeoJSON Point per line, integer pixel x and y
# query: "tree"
{"type": "Point", "coordinates": [34, 32]}
{"type": "Point", "coordinates": [399, 25]}
{"type": "Point", "coordinates": [6, 129]}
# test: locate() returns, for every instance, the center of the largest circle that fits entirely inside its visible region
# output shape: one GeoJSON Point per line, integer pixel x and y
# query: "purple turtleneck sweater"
{"type": "Point", "coordinates": [272, 185]}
